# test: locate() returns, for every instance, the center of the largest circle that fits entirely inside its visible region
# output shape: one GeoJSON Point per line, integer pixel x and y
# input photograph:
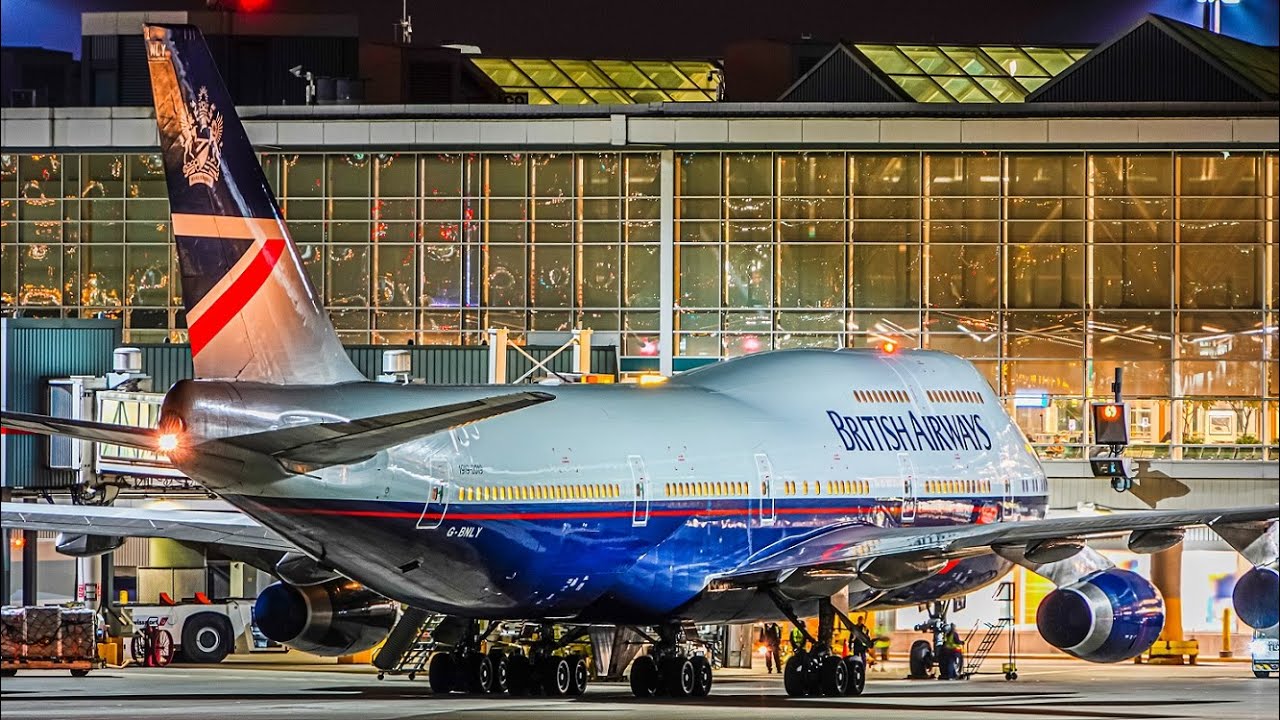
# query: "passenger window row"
{"type": "Point", "coordinates": [593, 491]}
{"type": "Point", "coordinates": [706, 489]}
{"type": "Point", "coordinates": [881, 396]}
{"type": "Point", "coordinates": [957, 487]}
{"type": "Point", "coordinates": [834, 487]}
{"type": "Point", "coordinates": [954, 396]}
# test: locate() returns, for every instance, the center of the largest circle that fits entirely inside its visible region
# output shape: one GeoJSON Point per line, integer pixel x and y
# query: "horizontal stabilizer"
{"type": "Point", "coordinates": [126, 435]}
{"type": "Point", "coordinates": [340, 443]}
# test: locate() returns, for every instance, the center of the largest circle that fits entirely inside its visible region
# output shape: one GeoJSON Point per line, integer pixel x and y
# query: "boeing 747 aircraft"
{"type": "Point", "coordinates": [748, 490]}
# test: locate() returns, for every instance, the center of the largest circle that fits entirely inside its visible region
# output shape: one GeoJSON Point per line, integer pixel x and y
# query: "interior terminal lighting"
{"type": "Point", "coordinates": [652, 379]}
{"type": "Point", "coordinates": [1213, 13]}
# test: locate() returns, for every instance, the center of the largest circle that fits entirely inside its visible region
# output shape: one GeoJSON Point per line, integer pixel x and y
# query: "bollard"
{"type": "Point", "coordinates": [1225, 652]}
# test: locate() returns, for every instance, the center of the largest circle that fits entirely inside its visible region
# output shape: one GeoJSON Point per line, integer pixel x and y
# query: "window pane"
{"type": "Point", "coordinates": [748, 275]}
{"type": "Point", "coordinates": [1132, 276]}
{"type": "Point", "coordinates": [397, 270]}
{"type": "Point", "coordinates": [811, 276]}
{"type": "Point", "coordinates": [1046, 276]}
{"type": "Point", "coordinates": [601, 174]}
{"type": "Point", "coordinates": [643, 171]}
{"type": "Point", "coordinates": [147, 275]}
{"type": "Point", "coordinates": [1220, 174]}
{"type": "Point", "coordinates": [750, 173]}
{"type": "Point", "coordinates": [599, 276]}
{"type": "Point", "coordinates": [961, 275]}
{"type": "Point", "coordinates": [882, 174]}
{"type": "Point", "coordinates": [642, 276]}
{"type": "Point", "coordinates": [103, 276]}
{"type": "Point", "coordinates": [347, 277]}
{"type": "Point", "coordinates": [552, 276]}
{"type": "Point", "coordinates": [1137, 342]}
{"type": "Point", "coordinates": [506, 176]}
{"type": "Point", "coordinates": [1134, 174]}
{"type": "Point", "coordinates": [396, 175]}
{"type": "Point", "coordinates": [811, 174]}
{"type": "Point", "coordinates": [39, 273]}
{"type": "Point", "coordinates": [698, 174]}
{"type": "Point", "coordinates": [1040, 175]}
{"type": "Point", "coordinates": [1221, 276]}
{"type": "Point", "coordinates": [698, 271]}
{"type": "Point", "coordinates": [963, 174]}
{"type": "Point", "coordinates": [885, 275]}
{"type": "Point", "coordinates": [553, 175]}
{"type": "Point", "coordinates": [146, 177]}
{"type": "Point", "coordinates": [505, 282]}
{"type": "Point", "coordinates": [349, 175]}
{"type": "Point", "coordinates": [441, 276]}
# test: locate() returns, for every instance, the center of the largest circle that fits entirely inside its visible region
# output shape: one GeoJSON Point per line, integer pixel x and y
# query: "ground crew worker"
{"type": "Point", "coordinates": [952, 645]}
{"type": "Point", "coordinates": [880, 641]}
{"type": "Point", "coordinates": [773, 647]}
{"type": "Point", "coordinates": [797, 639]}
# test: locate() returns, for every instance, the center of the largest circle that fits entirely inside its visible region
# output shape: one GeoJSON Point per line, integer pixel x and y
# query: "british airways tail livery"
{"type": "Point", "coordinates": [749, 490]}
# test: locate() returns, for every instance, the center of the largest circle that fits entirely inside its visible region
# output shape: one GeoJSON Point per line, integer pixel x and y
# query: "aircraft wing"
{"type": "Point", "coordinates": [135, 437]}
{"type": "Point", "coordinates": [339, 443]}
{"type": "Point", "coordinates": [846, 547]}
{"type": "Point", "coordinates": [222, 528]}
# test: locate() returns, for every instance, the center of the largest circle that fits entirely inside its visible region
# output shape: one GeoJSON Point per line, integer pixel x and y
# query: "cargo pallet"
{"type": "Point", "coordinates": [78, 668]}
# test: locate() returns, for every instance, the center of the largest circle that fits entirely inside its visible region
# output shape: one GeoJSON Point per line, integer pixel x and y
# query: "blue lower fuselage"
{"type": "Point", "coordinates": [603, 561]}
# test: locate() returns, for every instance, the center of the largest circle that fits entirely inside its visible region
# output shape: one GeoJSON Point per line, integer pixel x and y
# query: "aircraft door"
{"type": "Point", "coordinates": [1006, 503]}
{"type": "Point", "coordinates": [437, 495]}
{"type": "Point", "coordinates": [640, 491]}
{"type": "Point", "coordinates": [907, 472]}
{"type": "Point", "coordinates": [764, 476]}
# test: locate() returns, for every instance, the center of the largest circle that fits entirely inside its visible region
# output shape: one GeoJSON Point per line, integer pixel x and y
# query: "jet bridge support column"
{"type": "Point", "coordinates": [1172, 648]}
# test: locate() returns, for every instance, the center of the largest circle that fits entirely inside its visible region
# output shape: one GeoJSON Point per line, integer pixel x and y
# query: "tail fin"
{"type": "Point", "coordinates": [252, 313]}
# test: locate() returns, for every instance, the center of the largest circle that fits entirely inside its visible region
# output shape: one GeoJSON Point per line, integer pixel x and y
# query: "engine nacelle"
{"type": "Point", "coordinates": [1256, 598]}
{"type": "Point", "coordinates": [1108, 616]}
{"type": "Point", "coordinates": [339, 617]}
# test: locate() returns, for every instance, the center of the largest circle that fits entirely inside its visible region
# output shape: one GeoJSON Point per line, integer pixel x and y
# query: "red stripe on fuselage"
{"type": "Point", "coordinates": [233, 300]}
{"type": "Point", "coordinates": [587, 514]}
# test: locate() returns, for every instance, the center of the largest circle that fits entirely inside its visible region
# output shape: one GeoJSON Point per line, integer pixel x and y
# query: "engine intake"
{"type": "Point", "coordinates": [339, 617]}
{"type": "Point", "coordinates": [1107, 616]}
{"type": "Point", "coordinates": [1255, 597]}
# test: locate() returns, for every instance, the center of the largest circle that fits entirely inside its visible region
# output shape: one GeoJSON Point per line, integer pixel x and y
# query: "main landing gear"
{"type": "Point", "coordinates": [467, 668]}
{"type": "Point", "coordinates": [668, 669]}
{"type": "Point", "coordinates": [927, 654]}
{"type": "Point", "coordinates": [816, 669]}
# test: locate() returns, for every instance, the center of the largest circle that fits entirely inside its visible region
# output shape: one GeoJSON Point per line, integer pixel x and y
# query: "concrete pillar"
{"type": "Point", "coordinates": [667, 263]}
{"type": "Point", "coordinates": [30, 567]}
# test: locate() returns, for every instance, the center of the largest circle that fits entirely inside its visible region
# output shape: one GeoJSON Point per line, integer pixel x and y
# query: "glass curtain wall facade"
{"type": "Point", "coordinates": [1047, 269]}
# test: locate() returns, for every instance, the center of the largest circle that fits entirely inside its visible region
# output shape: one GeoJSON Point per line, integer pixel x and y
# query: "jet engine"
{"type": "Point", "coordinates": [1255, 597]}
{"type": "Point", "coordinates": [339, 617]}
{"type": "Point", "coordinates": [1107, 616]}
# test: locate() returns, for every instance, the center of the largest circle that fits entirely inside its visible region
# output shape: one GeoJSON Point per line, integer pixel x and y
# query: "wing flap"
{"type": "Point", "coordinates": [134, 437]}
{"type": "Point", "coordinates": [221, 528]}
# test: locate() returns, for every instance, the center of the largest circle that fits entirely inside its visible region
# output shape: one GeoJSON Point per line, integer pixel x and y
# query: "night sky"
{"type": "Point", "coordinates": [686, 28]}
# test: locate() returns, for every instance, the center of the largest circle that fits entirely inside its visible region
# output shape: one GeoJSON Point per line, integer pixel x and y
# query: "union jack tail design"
{"type": "Point", "coordinates": [252, 313]}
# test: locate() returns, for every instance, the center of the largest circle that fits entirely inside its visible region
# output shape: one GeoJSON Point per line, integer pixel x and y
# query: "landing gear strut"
{"type": "Point", "coordinates": [927, 654]}
{"type": "Point", "coordinates": [466, 668]}
{"type": "Point", "coordinates": [668, 670]}
{"type": "Point", "coordinates": [817, 669]}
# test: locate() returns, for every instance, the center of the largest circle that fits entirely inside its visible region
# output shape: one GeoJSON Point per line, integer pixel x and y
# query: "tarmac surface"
{"type": "Point", "coordinates": [277, 689]}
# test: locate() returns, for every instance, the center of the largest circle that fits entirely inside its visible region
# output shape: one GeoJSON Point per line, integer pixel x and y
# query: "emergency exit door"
{"type": "Point", "coordinates": [764, 479]}
{"type": "Point", "coordinates": [640, 491]}
{"type": "Point", "coordinates": [907, 473]}
{"type": "Point", "coordinates": [437, 495]}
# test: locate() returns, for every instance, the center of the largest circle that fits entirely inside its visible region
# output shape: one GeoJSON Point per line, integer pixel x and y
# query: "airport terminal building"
{"type": "Point", "coordinates": [1035, 210]}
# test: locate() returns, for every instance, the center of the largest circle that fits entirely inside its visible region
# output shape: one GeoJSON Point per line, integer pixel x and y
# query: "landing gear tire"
{"type": "Point", "coordinates": [498, 659]}
{"type": "Point", "coordinates": [519, 675]}
{"type": "Point", "coordinates": [206, 638]}
{"type": "Point", "coordinates": [857, 675]}
{"type": "Point", "coordinates": [702, 675]}
{"type": "Point", "coordinates": [578, 676]}
{"type": "Point", "coordinates": [79, 673]}
{"type": "Point", "coordinates": [835, 677]}
{"type": "Point", "coordinates": [557, 676]}
{"type": "Point", "coordinates": [440, 674]}
{"type": "Point", "coordinates": [793, 675]}
{"type": "Point", "coordinates": [1261, 674]}
{"type": "Point", "coordinates": [680, 677]}
{"type": "Point", "coordinates": [479, 674]}
{"type": "Point", "coordinates": [920, 660]}
{"type": "Point", "coordinates": [1011, 676]}
{"type": "Point", "coordinates": [645, 680]}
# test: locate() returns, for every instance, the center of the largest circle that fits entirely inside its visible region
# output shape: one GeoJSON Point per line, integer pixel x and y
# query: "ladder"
{"type": "Point", "coordinates": [1005, 594]}
{"type": "Point", "coordinates": [414, 659]}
